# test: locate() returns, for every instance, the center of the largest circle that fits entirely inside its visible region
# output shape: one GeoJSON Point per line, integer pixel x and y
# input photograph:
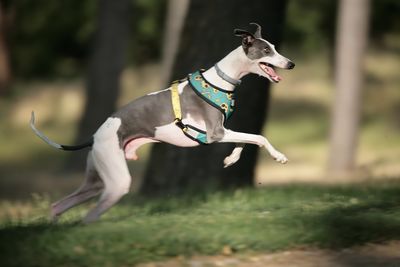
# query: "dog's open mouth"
{"type": "Point", "coordinates": [269, 70]}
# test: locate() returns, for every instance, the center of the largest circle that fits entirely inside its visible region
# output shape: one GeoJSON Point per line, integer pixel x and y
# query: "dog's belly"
{"type": "Point", "coordinates": [172, 134]}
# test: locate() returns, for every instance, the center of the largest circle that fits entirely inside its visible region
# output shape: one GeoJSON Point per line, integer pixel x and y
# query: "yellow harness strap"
{"type": "Point", "coordinates": [176, 105]}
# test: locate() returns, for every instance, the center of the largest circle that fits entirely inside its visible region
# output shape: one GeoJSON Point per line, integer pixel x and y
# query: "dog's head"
{"type": "Point", "coordinates": [262, 54]}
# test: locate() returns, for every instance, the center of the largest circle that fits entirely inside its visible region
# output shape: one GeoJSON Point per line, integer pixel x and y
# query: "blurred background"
{"type": "Point", "coordinates": [335, 116]}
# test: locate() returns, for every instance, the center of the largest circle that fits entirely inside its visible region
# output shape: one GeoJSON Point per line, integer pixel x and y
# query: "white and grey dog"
{"type": "Point", "coordinates": [151, 118]}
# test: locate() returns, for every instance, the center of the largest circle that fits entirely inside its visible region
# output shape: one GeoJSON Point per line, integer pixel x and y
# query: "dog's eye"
{"type": "Point", "coordinates": [267, 50]}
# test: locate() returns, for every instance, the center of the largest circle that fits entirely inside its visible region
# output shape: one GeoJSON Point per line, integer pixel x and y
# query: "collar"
{"type": "Point", "coordinates": [225, 77]}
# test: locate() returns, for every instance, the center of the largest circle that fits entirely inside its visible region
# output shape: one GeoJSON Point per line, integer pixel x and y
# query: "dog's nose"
{"type": "Point", "coordinates": [290, 65]}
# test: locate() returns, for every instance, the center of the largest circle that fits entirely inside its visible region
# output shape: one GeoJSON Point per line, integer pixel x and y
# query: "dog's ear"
{"type": "Point", "coordinates": [257, 34]}
{"type": "Point", "coordinates": [247, 38]}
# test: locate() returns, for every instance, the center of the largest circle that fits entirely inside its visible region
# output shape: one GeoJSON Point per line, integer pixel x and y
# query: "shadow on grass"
{"type": "Point", "coordinates": [371, 222]}
{"type": "Point", "coordinates": [31, 245]}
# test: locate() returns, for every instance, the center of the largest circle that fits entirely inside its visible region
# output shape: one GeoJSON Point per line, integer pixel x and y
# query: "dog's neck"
{"type": "Point", "coordinates": [235, 65]}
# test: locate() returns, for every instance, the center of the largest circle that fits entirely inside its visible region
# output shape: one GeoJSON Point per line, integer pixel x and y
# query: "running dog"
{"type": "Point", "coordinates": [192, 111]}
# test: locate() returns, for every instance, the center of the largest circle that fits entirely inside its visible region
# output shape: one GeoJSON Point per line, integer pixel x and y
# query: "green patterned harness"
{"type": "Point", "coordinates": [220, 99]}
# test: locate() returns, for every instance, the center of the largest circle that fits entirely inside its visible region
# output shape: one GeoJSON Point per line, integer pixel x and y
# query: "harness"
{"type": "Point", "coordinates": [220, 99]}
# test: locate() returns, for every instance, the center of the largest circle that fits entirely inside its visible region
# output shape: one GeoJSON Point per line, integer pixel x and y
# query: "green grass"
{"type": "Point", "coordinates": [267, 219]}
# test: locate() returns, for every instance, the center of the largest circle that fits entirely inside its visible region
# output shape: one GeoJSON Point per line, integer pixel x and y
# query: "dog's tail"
{"type": "Point", "coordinates": [54, 144]}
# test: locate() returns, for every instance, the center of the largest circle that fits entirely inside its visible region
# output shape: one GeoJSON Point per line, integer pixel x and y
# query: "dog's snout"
{"type": "Point", "coordinates": [290, 65]}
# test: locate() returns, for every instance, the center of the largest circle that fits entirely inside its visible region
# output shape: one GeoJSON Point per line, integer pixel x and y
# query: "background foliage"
{"type": "Point", "coordinates": [52, 38]}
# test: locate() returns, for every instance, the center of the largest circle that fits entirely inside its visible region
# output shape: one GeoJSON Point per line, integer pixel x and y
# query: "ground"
{"type": "Point", "coordinates": [370, 255]}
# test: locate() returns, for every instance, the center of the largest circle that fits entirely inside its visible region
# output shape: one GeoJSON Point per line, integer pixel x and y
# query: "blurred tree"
{"type": "Point", "coordinates": [146, 29]}
{"type": "Point", "coordinates": [207, 37]}
{"type": "Point", "coordinates": [316, 28]}
{"type": "Point", "coordinates": [50, 38]}
{"type": "Point", "coordinates": [6, 14]}
{"type": "Point", "coordinates": [384, 19]}
{"type": "Point", "coordinates": [177, 10]}
{"type": "Point", "coordinates": [105, 68]}
{"type": "Point", "coordinates": [352, 32]}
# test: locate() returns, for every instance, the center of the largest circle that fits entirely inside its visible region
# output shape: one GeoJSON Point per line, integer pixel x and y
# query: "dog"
{"type": "Point", "coordinates": [189, 113]}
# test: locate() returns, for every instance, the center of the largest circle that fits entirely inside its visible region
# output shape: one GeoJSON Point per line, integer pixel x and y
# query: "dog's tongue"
{"type": "Point", "coordinates": [271, 72]}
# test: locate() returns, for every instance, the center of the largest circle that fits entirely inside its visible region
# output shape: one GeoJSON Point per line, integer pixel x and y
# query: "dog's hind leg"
{"type": "Point", "coordinates": [110, 163]}
{"type": "Point", "coordinates": [91, 187]}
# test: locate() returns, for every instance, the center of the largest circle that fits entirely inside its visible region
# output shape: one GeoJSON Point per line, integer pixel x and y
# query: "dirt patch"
{"type": "Point", "coordinates": [370, 255]}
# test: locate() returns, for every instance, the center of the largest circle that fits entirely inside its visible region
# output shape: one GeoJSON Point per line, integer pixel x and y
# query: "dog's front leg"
{"type": "Point", "coordinates": [245, 138]}
{"type": "Point", "coordinates": [234, 156]}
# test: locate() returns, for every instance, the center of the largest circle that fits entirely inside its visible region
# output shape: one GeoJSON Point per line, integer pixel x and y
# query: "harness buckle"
{"type": "Point", "coordinates": [178, 122]}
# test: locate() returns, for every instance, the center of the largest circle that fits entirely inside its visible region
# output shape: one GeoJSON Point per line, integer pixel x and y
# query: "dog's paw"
{"type": "Point", "coordinates": [230, 160]}
{"type": "Point", "coordinates": [54, 213]}
{"type": "Point", "coordinates": [279, 157]}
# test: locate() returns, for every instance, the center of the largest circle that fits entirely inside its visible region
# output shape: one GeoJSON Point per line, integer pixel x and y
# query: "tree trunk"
{"type": "Point", "coordinates": [105, 68]}
{"type": "Point", "coordinates": [208, 37]}
{"type": "Point", "coordinates": [351, 42]}
{"type": "Point", "coordinates": [176, 13]}
{"type": "Point", "coordinates": [5, 68]}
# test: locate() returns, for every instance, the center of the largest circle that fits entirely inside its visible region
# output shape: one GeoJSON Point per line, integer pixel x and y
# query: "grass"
{"type": "Point", "coordinates": [266, 219]}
